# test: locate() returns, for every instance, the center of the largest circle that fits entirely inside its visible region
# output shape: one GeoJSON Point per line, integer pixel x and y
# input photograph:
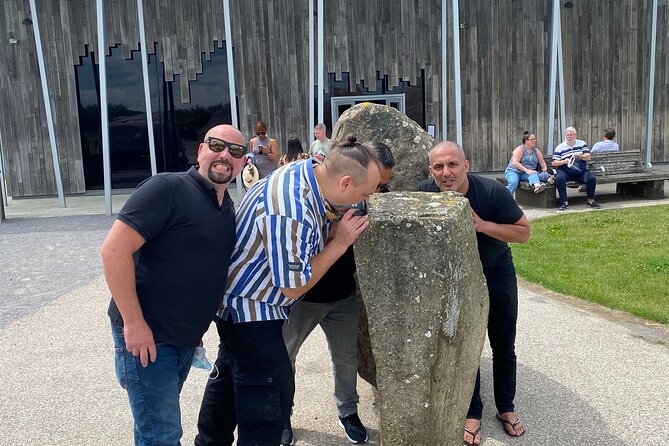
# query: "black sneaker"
{"type": "Point", "coordinates": [287, 435]}
{"type": "Point", "coordinates": [353, 428]}
{"type": "Point", "coordinates": [594, 205]}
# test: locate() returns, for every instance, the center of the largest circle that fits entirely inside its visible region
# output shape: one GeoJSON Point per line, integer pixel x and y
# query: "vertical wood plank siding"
{"type": "Point", "coordinates": [505, 51]}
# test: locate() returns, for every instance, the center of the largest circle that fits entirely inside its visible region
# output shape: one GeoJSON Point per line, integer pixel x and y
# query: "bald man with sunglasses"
{"type": "Point", "coordinates": [172, 228]}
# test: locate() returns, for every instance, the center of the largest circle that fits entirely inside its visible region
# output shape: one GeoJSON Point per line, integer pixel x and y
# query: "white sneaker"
{"type": "Point", "coordinates": [551, 180]}
{"type": "Point", "coordinates": [539, 187]}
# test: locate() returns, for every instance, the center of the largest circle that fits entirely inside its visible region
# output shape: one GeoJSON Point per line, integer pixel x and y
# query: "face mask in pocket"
{"type": "Point", "coordinates": [200, 361]}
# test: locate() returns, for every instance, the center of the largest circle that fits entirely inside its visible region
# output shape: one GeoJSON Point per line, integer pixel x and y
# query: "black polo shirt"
{"type": "Point", "coordinates": [182, 267]}
{"type": "Point", "coordinates": [492, 202]}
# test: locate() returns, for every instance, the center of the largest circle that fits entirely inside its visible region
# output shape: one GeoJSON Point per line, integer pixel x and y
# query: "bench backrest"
{"type": "Point", "coordinates": [612, 163]}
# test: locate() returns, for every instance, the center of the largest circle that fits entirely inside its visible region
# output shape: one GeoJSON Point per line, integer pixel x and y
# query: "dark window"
{"type": "Point", "coordinates": [178, 127]}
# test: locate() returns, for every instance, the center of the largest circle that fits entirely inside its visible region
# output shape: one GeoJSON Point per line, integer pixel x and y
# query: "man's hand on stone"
{"type": "Point", "coordinates": [349, 228]}
{"type": "Point", "coordinates": [139, 341]}
{"type": "Point", "coordinates": [479, 223]}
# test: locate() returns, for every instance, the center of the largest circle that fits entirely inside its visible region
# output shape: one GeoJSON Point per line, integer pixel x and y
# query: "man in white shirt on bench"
{"type": "Point", "coordinates": [607, 144]}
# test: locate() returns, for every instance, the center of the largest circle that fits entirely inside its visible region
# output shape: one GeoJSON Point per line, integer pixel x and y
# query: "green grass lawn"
{"type": "Point", "coordinates": [617, 258]}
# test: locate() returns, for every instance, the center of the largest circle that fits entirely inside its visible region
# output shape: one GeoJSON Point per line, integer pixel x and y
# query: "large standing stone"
{"type": "Point", "coordinates": [427, 307]}
{"type": "Point", "coordinates": [406, 139]}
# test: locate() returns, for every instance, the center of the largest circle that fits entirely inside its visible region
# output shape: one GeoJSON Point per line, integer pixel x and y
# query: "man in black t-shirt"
{"type": "Point", "coordinates": [163, 259]}
{"type": "Point", "coordinates": [497, 220]}
{"type": "Point", "coordinates": [333, 304]}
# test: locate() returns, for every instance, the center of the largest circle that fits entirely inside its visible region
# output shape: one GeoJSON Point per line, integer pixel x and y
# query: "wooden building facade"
{"type": "Point", "coordinates": [372, 49]}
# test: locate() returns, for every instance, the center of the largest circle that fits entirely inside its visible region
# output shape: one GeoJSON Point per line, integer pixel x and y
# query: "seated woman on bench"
{"type": "Point", "coordinates": [525, 160]}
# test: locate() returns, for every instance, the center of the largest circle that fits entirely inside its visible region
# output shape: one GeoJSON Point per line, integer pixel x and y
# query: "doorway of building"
{"type": "Point", "coordinates": [340, 104]}
{"type": "Point", "coordinates": [409, 98]}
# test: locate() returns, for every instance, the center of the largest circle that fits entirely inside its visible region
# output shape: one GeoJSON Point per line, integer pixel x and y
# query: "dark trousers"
{"type": "Point", "coordinates": [502, 317]}
{"type": "Point", "coordinates": [251, 387]}
{"type": "Point", "coordinates": [585, 177]}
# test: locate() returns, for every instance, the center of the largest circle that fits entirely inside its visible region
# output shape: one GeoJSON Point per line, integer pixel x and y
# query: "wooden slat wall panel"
{"type": "Point", "coordinates": [505, 50]}
{"type": "Point", "coordinates": [605, 47]}
{"type": "Point", "coordinates": [271, 43]}
{"type": "Point", "coordinates": [67, 28]}
{"type": "Point", "coordinates": [661, 96]}
{"type": "Point", "coordinates": [24, 132]}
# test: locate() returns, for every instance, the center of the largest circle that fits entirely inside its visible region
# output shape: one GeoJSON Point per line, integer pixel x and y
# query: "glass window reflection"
{"type": "Point", "coordinates": [178, 127]}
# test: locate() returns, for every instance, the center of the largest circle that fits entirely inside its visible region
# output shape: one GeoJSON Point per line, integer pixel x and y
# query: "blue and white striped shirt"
{"type": "Point", "coordinates": [280, 225]}
{"type": "Point", "coordinates": [564, 152]}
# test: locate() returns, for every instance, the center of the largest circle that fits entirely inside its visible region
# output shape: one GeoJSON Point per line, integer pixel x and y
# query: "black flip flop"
{"type": "Point", "coordinates": [473, 433]}
{"type": "Point", "coordinates": [513, 425]}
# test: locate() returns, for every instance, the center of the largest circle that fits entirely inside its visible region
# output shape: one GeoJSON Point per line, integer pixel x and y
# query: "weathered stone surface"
{"type": "Point", "coordinates": [407, 140]}
{"type": "Point", "coordinates": [427, 307]}
{"type": "Point", "coordinates": [366, 362]}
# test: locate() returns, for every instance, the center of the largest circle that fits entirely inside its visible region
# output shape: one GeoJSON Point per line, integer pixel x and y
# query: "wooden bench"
{"type": "Point", "coordinates": [625, 169]}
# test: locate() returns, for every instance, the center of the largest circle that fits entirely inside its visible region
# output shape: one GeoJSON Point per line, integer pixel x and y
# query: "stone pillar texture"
{"type": "Point", "coordinates": [407, 140]}
{"type": "Point", "coordinates": [427, 306]}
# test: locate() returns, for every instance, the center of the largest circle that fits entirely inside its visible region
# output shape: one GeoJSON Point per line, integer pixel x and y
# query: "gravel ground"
{"type": "Point", "coordinates": [44, 258]}
{"type": "Point", "coordinates": [586, 375]}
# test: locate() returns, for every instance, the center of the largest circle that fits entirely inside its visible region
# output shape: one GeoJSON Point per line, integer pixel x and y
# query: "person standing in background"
{"type": "Point", "coordinates": [295, 152]}
{"type": "Point", "coordinates": [265, 149]}
{"type": "Point", "coordinates": [320, 147]}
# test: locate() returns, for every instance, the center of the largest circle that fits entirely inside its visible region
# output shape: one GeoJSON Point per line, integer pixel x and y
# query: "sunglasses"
{"type": "Point", "coordinates": [219, 145]}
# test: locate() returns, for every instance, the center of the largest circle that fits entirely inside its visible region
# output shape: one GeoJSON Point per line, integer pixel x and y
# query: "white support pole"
{"type": "Point", "coordinates": [444, 72]}
{"type": "Point", "coordinates": [560, 58]}
{"type": "Point", "coordinates": [231, 84]}
{"type": "Point", "coordinates": [553, 74]}
{"type": "Point", "coordinates": [651, 86]}
{"type": "Point", "coordinates": [3, 192]}
{"type": "Point", "coordinates": [231, 64]}
{"type": "Point", "coordinates": [456, 71]}
{"type": "Point", "coordinates": [320, 81]}
{"type": "Point", "coordinates": [47, 104]}
{"type": "Point", "coordinates": [104, 116]}
{"type": "Point", "coordinates": [147, 87]}
{"type": "Point", "coordinates": [310, 121]}
{"type": "Point", "coordinates": [3, 189]}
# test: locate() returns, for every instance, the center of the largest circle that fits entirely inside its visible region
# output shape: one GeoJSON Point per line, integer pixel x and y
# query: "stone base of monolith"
{"type": "Point", "coordinates": [427, 307]}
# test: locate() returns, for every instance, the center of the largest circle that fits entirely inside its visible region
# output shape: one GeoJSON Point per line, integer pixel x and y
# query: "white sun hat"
{"type": "Point", "coordinates": [249, 175]}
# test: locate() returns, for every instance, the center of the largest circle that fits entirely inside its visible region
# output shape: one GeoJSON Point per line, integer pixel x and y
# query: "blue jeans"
{"type": "Point", "coordinates": [153, 391]}
{"type": "Point", "coordinates": [339, 321]}
{"type": "Point", "coordinates": [513, 178]}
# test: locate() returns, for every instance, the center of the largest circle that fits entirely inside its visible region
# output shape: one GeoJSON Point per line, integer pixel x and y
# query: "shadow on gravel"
{"type": "Point", "coordinates": [552, 414]}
